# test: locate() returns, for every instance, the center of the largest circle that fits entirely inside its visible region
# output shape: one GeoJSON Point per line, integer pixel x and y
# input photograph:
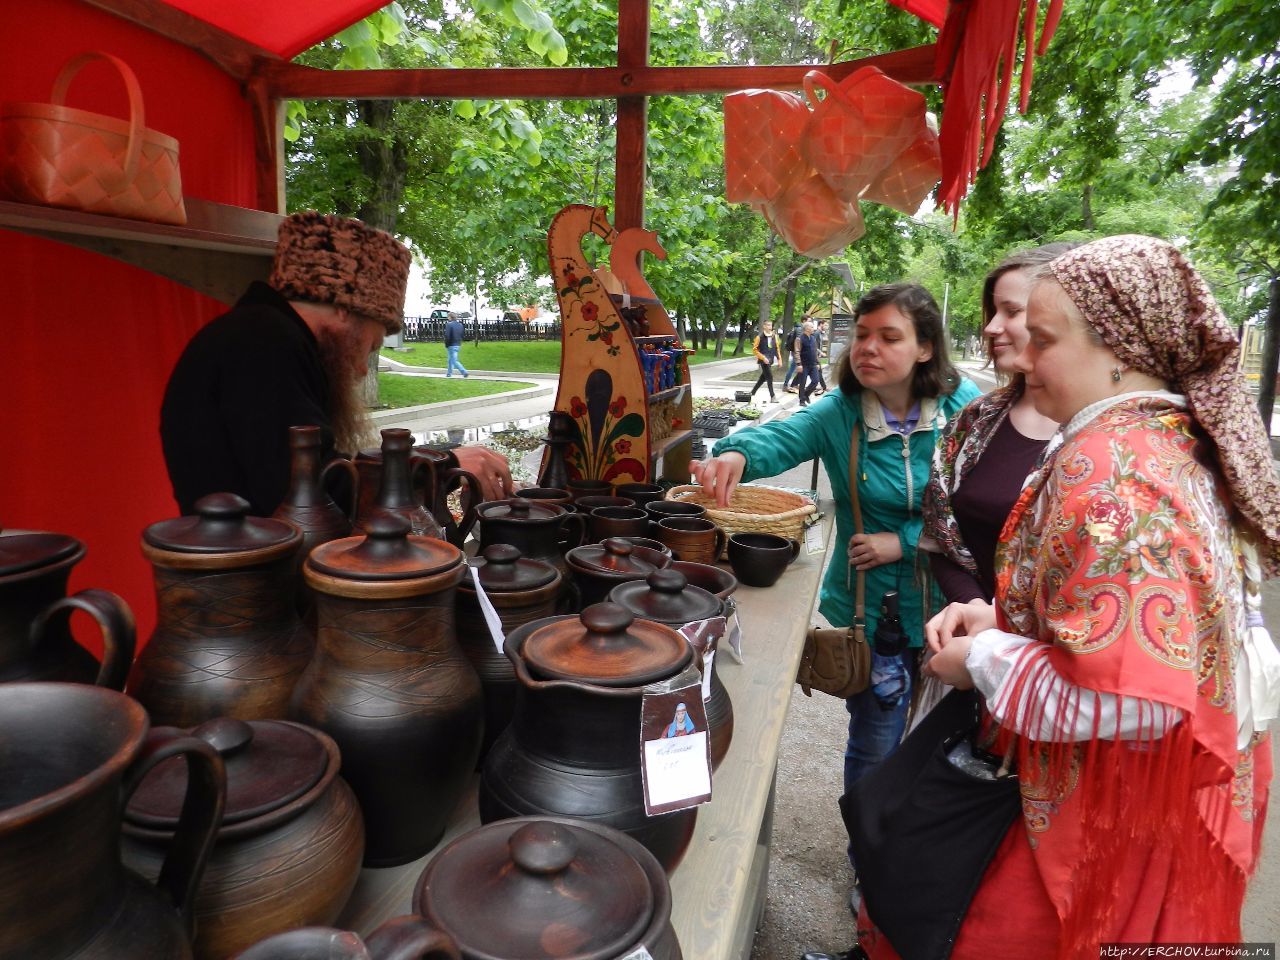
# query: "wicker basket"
{"type": "Point", "coordinates": [752, 509]}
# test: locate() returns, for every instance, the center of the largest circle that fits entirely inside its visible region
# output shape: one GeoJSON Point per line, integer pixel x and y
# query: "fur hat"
{"type": "Point", "coordinates": [322, 258]}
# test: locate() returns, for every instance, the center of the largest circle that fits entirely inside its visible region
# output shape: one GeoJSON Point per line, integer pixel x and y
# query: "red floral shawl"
{"type": "Point", "coordinates": [1123, 557]}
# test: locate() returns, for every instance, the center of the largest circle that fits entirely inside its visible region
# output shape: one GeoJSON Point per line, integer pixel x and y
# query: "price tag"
{"type": "Point", "coordinates": [639, 953]}
{"type": "Point", "coordinates": [675, 745]}
{"type": "Point", "coordinates": [813, 539]}
{"type": "Point", "coordinates": [703, 636]}
{"type": "Point", "coordinates": [734, 630]}
{"type": "Point", "coordinates": [491, 618]}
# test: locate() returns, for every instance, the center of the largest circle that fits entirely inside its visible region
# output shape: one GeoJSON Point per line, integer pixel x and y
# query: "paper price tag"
{"type": "Point", "coordinates": [735, 628]}
{"type": "Point", "coordinates": [813, 539]}
{"type": "Point", "coordinates": [639, 953]}
{"type": "Point", "coordinates": [491, 618]}
{"type": "Point", "coordinates": [675, 745]}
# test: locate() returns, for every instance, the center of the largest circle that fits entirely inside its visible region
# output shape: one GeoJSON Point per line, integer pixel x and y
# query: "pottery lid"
{"type": "Point", "coordinates": [606, 646]}
{"type": "Point", "coordinates": [537, 889]}
{"type": "Point", "coordinates": [502, 569]}
{"type": "Point", "coordinates": [30, 551]}
{"type": "Point", "coordinates": [269, 763]}
{"type": "Point", "coordinates": [519, 508]}
{"type": "Point", "coordinates": [221, 524]}
{"type": "Point", "coordinates": [614, 555]}
{"type": "Point", "coordinates": [668, 597]}
{"type": "Point", "coordinates": [387, 552]}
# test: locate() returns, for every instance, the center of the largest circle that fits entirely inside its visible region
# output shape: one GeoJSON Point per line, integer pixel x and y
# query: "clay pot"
{"type": "Point", "coordinates": [666, 597]}
{"type": "Point", "coordinates": [573, 748]}
{"type": "Point", "coordinates": [759, 559]}
{"type": "Point", "coordinates": [392, 479]}
{"type": "Point", "coordinates": [35, 635]}
{"type": "Point", "coordinates": [289, 848]}
{"type": "Point", "coordinates": [596, 501]}
{"type": "Point", "coordinates": [695, 539]}
{"type": "Point", "coordinates": [72, 756]}
{"type": "Point", "coordinates": [389, 683]}
{"type": "Point", "coordinates": [608, 522]}
{"type": "Point", "coordinates": [540, 531]}
{"type": "Point", "coordinates": [656, 545]}
{"type": "Point", "coordinates": [722, 583]}
{"type": "Point", "coordinates": [661, 509]}
{"type": "Point", "coordinates": [401, 938]}
{"type": "Point", "coordinates": [544, 887]}
{"type": "Point", "coordinates": [521, 590]}
{"type": "Point", "coordinates": [640, 493]}
{"type": "Point", "coordinates": [228, 641]}
{"type": "Point", "coordinates": [598, 568]}
{"type": "Point", "coordinates": [551, 495]}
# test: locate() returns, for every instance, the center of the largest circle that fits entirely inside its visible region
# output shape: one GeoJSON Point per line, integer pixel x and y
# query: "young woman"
{"type": "Point", "coordinates": [768, 353]}
{"type": "Point", "coordinates": [985, 454]}
{"type": "Point", "coordinates": [897, 391]}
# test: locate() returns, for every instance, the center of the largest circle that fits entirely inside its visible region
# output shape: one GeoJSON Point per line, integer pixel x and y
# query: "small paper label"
{"type": "Point", "coordinates": [491, 617]}
{"type": "Point", "coordinates": [813, 539]}
{"type": "Point", "coordinates": [639, 953]}
{"type": "Point", "coordinates": [675, 755]}
{"type": "Point", "coordinates": [734, 630]}
{"type": "Point", "coordinates": [703, 636]}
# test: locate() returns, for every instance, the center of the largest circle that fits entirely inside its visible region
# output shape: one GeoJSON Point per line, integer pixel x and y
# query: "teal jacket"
{"type": "Point", "coordinates": [894, 470]}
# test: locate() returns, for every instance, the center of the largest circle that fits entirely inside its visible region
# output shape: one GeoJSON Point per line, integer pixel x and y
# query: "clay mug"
{"type": "Point", "coordinates": [401, 938]}
{"type": "Point", "coordinates": [553, 495]}
{"type": "Point", "coordinates": [695, 539]}
{"type": "Point", "coordinates": [659, 510]}
{"type": "Point", "coordinates": [640, 493]}
{"type": "Point", "coordinates": [758, 559]}
{"type": "Point", "coordinates": [590, 488]}
{"type": "Point", "coordinates": [618, 522]}
{"type": "Point", "coordinates": [587, 504]}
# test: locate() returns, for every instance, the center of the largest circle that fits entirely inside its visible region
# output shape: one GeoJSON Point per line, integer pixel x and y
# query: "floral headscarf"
{"type": "Point", "coordinates": [1156, 313]}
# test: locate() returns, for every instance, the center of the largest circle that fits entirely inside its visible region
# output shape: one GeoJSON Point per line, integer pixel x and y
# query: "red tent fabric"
{"type": "Point", "coordinates": [285, 27]}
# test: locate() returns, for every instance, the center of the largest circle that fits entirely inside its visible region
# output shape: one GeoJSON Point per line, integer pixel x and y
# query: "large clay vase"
{"type": "Point", "coordinates": [573, 747]}
{"type": "Point", "coordinates": [541, 887]}
{"type": "Point", "coordinates": [228, 640]}
{"type": "Point", "coordinates": [71, 756]}
{"type": "Point", "coordinates": [394, 481]}
{"type": "Point", "coordinates": [520, 590]}
{"type": "Point", "coordinates": [289, 850]}
{"type": "Point", "coordinates": [35, 635]}
{"type": "Point", "coordinates": [390, 684]}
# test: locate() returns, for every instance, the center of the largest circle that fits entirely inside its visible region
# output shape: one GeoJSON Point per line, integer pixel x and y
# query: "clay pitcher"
{"type": "Point", "coordinates": [228, 641]}
{"type": "Point", "coordinates": [390, 684]}
{"type": "Point", "coordinates": [308, 505]}
{"type": "Point", "coordinates": [392, 479]}
{"type": "Point", "coordinates": [35, 635]}
{"type": "Point", "coordinates": [72, 756]}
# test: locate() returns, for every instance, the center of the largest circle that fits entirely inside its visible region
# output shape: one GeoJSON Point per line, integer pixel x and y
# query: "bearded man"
{"type": "Point", "coordinates": [292, 352]}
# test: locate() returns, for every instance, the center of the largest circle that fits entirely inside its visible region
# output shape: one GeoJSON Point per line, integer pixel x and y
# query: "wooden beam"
{"type": "Point", "coordinates": [235, 56]}
{"type": "Point", "coordinates": [633, 117]}
{"type": "Point", "coordinates": [268, 140]}
{"type": "Point", "coordinates": [291, 81]}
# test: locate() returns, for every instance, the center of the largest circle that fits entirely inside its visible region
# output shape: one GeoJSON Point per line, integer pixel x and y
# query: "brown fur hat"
{"type": "Point", "coordinates": [322, 258]}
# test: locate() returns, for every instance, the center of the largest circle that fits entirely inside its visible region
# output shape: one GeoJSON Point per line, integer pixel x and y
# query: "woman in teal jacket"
{"type": "Point", "coordinates": [897, 391]}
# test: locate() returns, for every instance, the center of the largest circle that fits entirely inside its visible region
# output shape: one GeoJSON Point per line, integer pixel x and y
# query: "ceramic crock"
{"type": "Point", "coordinates": [228, 640]}
{"type": "Point", "coordinates": [598, 568]}
{"type": "Point", "coordinates": [573, 746]}
{"type": "Point", "coordinates": [540, 531]}
{"type": "Point", "coordinates": [520, 590]}
{"type": "Point", "coordinates": [35, 635]}
{"type": "Point", "coordinates": [666, 596]}
{"type": "Point", "coordinates": [391, 685]}
{"type": "Point", "coordinates": [72, 755]}
{"type": "Point", "coordinates": [541, 888]}
{"type": "Point", "coordinates": [289, 849]}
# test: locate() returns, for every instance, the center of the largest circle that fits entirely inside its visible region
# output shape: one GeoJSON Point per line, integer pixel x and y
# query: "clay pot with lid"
{"type": "Point", "coordinates": [289, 849]}
{"type": "Point", "coordinates": [598, 568]}
{"type": "Point", "coordinates": [573, 746]}
{"type": "Point", "coordinates": [666, 596]}
{"type": "Point", "coordinates": [541, 888]}
{"type": "Point", "coordinates": [35, 635]}
{"type": "Point", "coordinates": [540, 531]}
{"type": "Point", "coordinates": [521, 590]}
{"type": "Point", "coordinates": [390, 684]}
{"type": "Point", "coordinates": [228, 640]}
{"type": "Point", "coordinates": [72, 756]}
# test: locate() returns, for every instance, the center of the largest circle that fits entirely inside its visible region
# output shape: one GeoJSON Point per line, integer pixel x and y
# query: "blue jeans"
{"type": "Point", "coordinates": [874, 733]}
{"type": "Point", "coordinates": [791, 369]}
{"type": "Point", "coordinates": [454, 361]}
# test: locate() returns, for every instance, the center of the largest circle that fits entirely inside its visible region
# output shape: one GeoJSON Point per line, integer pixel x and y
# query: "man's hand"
{"type": "Point", "coordinates": [719, 475]}
{"type": "Point", "coordinates": [958, 620]}
{"type": "Point", "coordinates": [490, 468]}
{"type": "Point", "coordinates": [867, 550]}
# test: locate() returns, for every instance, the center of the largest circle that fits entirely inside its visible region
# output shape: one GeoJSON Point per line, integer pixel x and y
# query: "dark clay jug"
{"type": "Point", "coordinates": [449, 478]}
{"type": "Point", "coordinates": [72, 755]}
{"type": "Point", "coordinates": [401, 938]}
{"type": "Point", "coordinates": [392, 479]}
{"type": "Point", "coordinates": [228, 640]}
{"type": "Point", "coordinates": [35, 634]}
{"type": "Point", "coordinates": [390, 684]}
{"type": "Point", "coordinates": [289, 849]}
{"type": "Point", "coordinates": [573, 747]}
{"type": "Point", "coordinates": [543, 887]}
{"type": "Point", "coordinates": [308, 505]}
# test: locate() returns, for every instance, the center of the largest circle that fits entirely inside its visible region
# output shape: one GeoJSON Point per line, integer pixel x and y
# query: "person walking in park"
{"type": "Point", "coordinates": [807, 358]}
{"type": "Point", "coordinates": [454, 334]}
{"type": "Point", "coordinates": [768, 353]}
{"type": "Point", "coordinates": [792, 365]}
{"type": "Point", "coordinates": [820, 333]}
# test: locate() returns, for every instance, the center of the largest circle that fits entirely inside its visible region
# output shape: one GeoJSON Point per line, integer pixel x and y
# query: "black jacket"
{"type": "Point", "coordinates": [454, 333]}
{"type": "Point", "coordinates": [239, 385]}
{"type": "Point", "coordinates": [808, 349]}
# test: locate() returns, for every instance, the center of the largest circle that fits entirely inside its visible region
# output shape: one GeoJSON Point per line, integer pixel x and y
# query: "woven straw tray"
{"type": "Point", "coordinates": [753, 509]}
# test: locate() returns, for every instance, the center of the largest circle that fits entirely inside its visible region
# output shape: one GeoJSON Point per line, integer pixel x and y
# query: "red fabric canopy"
{"type": "Point", "coordinates": [284, 27]}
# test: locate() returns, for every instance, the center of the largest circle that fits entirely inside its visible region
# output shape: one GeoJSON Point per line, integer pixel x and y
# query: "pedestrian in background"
{"type": "Point", "coordinates": [454, 333]}
{"type": "Point", "coordinates": [790, 346]}
{"type": "Point", "coordinates": [807, 359]}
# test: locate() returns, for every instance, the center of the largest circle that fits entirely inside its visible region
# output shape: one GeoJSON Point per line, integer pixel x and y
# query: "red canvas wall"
{"type": "Point", "coordinates": [86, 342]}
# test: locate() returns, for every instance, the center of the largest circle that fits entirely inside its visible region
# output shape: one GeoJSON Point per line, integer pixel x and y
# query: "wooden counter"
{"type": "Point", "coordinates": [719, 887]}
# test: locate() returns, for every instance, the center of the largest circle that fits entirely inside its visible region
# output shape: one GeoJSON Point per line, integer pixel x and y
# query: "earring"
{"type": "Point", "coordinates": [1116, 374]}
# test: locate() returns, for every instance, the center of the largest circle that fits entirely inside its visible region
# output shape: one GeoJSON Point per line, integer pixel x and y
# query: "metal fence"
{"type": "Point", "coordinates": [424, 330]}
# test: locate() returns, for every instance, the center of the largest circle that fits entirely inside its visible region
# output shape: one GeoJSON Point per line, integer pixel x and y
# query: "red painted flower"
{"type": "Point", "coordinates": [618, 407]}
{"type": "Point", "coordinates": [1106, 518]}
{"type": "Point", "coordinates": [577, 408]}
{"type": "Point", "coordinates": [589, 312]}
{"type": "Point", "coordinates": [623, 446]}
{"type": "Point", "coordinates": [606, 337]}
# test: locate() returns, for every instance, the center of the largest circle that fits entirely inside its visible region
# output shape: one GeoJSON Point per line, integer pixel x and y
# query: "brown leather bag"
{"type": "Point", "coordinates": [837, 660]}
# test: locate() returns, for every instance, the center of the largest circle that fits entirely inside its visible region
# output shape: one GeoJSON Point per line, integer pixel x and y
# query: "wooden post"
{"type": "Point", "coordinates": [633, 117]}
{"type": "Point", "coordinates": [268, 135]}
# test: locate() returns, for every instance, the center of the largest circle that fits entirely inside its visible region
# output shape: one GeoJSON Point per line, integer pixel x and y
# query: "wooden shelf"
{"type": "Point", "coordinates": [675, 393]}
{"type": "Point", "coordinates": [659, 449]}
{"type": "Point", "coordinates": [219, 251]}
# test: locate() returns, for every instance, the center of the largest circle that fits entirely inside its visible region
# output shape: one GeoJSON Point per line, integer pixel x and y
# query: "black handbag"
{"type": "Point", "coordinates": [923, 831]}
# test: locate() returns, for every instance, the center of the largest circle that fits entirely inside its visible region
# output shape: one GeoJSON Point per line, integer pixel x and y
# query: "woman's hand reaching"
{"type": "Point", "coordinates": [719, 475]}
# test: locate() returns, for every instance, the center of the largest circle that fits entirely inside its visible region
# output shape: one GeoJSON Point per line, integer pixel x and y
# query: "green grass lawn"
{"type": "Point", "coordinates": [397, 391]}
{"type": "Point", "coordinates": [531, 356]}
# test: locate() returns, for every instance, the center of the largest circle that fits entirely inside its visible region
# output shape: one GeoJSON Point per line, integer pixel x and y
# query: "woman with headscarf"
{"type": "Point", "coordinates": [1124, 665]}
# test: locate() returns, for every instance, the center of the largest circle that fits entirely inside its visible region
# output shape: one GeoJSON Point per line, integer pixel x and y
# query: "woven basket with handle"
{"type": "Point", "coordinates": [752, 509]}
